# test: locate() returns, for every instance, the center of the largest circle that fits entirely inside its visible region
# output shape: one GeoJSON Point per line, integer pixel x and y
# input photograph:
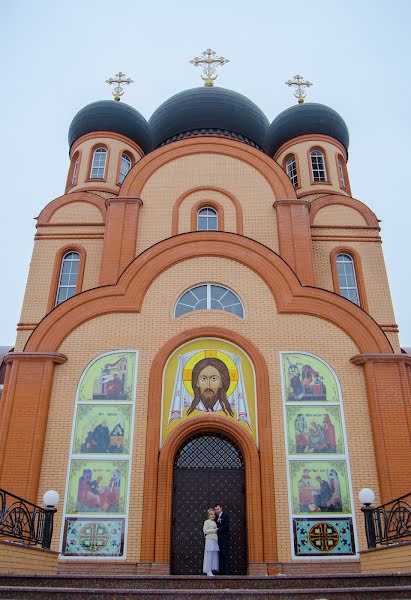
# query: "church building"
{"type": "Point", "coordinates": [207, 320]}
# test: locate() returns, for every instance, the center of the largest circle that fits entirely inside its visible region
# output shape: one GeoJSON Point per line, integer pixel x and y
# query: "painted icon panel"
{"type": "Point", "coordinates": [110, 377]}
{"type": "Point", "coordinates": [206, 377]}
{"type": "Point", "coordinates": [306, 378]}
{"type": "Point", "coordinates": [314, 430]}
{"type": "Point", "coordinates": [318, 537]}
{"type": "Point", "coordinates": [97, 486]}
{"type": "Point", "coordinates": [93, 537]}
{"type": "Point", "coordinates": [320, 486]}
{"type": "Point", "coordinates": [102, 429]}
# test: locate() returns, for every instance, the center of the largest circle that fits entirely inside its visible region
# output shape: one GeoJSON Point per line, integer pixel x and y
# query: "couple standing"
{"type": "Point", "coordinates": [217, 542]}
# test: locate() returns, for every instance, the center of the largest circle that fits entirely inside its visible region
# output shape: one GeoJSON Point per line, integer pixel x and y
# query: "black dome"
{"type": "Point", "coordinates": [305, 118]}
{"type": "Point", "coordinates": [109, 115]}
{"type": "Point", "coordinates": [209, 110]}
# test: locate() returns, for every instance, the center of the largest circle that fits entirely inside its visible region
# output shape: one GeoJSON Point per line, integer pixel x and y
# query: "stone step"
{"type": "Point", "coordinates": [350, 593]}
{"type": "Point", "coordinates": [139, 582]}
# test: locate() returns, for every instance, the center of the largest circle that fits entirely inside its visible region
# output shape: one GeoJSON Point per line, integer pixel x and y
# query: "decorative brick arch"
{"type": "Point", "coordinates": [137, 178]}
{"type": "Point", "coordinates": [331, 199]}
{"type": "Point", "coordinates": [128, 293]}
{"type": "Point", "coordinates": [49, 210]}
{"type": "Point", "coordinates": [262, 543]}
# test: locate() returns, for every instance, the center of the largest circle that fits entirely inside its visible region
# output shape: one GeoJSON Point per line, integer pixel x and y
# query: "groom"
{"type": "Point", "coordinates": [223, 533]}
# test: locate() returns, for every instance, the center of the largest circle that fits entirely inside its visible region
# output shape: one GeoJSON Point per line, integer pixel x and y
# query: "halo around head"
{"type": "Point", "coordinates": [191, 363]}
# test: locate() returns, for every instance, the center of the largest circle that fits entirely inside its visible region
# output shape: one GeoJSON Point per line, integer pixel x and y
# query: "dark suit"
{"type": "Point", "coordinates": [223, 533]}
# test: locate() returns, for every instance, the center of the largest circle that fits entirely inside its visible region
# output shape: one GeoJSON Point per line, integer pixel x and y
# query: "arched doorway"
{"type": "Point", "coordinates": [208, 468]}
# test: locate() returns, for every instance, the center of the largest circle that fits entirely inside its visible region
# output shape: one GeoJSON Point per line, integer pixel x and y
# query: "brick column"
{"type": "Point", "coordinates": [294, 236]}
{"type": "Point", "coordinates": [120, 237]}
{"type": "Point", "coordinates": [388, 379]}
{"type": "Point", "coordinates": [25, 406]}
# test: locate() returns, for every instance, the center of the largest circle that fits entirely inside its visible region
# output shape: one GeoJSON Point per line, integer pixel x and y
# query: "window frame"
{"type": "Point", "coordinates": [72, 176]}
{"type": "Point", "coordinates": [342, 169]}
{"type": "Point", "coordinates": [358, 273]}
{"type": "Point", "coordinates": [208, 300]}
{"type": "Point", "coordinates": [57, 268]}
{"type": "Point", "coordinates": [207, 207]}
{"type": "Point", "coordinates": [91, 160]}
{"type": "Point", "coordinates": [132, 163]}
{"type": "Point", "coordinates": [297, 170]}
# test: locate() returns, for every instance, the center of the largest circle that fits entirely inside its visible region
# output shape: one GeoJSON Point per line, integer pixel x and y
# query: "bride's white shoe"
{"type": "Point", "coordinates": [210, 574]}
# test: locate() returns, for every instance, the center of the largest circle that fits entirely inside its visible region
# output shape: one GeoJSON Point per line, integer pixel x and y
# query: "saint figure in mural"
{"type": "Point", "coordinates": [110, 383]}
{"type": "Point", "coordinates": [304, 383]}
{"type": "Point", "coordinates": [94, 496]}
{"type": "Point", "coordinates": [210, 381]}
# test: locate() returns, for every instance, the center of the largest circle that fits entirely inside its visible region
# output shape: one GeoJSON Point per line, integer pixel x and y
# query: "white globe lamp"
{"type": "Point", "coordinates": [51, 499]}
{"type": "Point", "coordinates": [366, 496]}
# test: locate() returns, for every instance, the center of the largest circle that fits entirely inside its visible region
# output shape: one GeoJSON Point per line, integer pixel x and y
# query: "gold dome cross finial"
{"type": "Point", "coordinates": [118, 90]}
{"type": "Point", "coordinates": [209, 64]}
{"type": "Point", "coordinates": [298, 81]}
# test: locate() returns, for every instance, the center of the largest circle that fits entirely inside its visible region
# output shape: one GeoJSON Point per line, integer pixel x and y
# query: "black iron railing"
{"type": "Point", "coordinates": [389, 522]}
{"type": "Point", "coordinates": [24, 521]}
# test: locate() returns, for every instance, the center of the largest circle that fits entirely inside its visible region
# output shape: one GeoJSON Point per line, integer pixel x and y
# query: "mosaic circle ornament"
{"type": "Point", "coordinates": [191, 363]}
{"type": "Point", "coordinates": [323, 537]}
{"type": "Point", "coordinates": [93, 537]}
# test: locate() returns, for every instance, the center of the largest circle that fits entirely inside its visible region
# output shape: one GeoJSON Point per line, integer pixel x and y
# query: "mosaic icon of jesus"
{"type": "Point", "coordinates": [210, 381]}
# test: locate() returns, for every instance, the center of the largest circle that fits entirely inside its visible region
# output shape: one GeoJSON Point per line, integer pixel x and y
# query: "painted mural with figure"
{"type": "Point", "coordinates": [209, 377]}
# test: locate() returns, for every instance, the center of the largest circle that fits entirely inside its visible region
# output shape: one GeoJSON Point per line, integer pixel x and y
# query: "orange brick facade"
{"type": "Point", "coordinates": [140, 250]}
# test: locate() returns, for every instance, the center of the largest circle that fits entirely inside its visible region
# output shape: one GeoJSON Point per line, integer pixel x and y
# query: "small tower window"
{"type": "Point", "coordinates": [318, 166]}
{"type": "Point", "coordinates": [346, 278]}
{"type": "Point", "coordinates": [68, 277]}
{"type": "Point", "coordinates": [341, 172]}
{"type": "Point", "coordinates": [291, 168]}
{"type": "Point", "coordinates": [74, 174]}
{"type": "Point", "coordinates": [125, 166]}
{"type": "Point", "coordinates": [209, 297]}
{"type": "Point", "coordinates": [98, 166]}
{"type": "Point", "coordinates": [207, 219]}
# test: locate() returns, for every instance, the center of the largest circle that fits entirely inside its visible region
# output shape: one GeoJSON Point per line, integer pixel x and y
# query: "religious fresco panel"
{"type": "Point", "coordinates": [110, 377]}
{"type": "Point", "coordinates": [314, 430]}
{"type": "Point", "coordinates": [102, 429]}
{"type": "Point", "coordinates": [209, 377]}
{"type": "Point", "coordinates": [318, 537]}
{"type": "Point", "coordinates": [97, 486]}
{"type": "Point", "coordinates": [307, 378]}
{"type": "Point", "coordinates": [93, 537]}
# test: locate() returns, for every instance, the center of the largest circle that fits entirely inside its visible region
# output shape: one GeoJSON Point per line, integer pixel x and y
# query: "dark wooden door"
{"type": "Point", "coordinates": [208, 469]}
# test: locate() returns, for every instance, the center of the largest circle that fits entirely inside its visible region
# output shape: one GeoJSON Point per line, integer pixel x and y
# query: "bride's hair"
{"type": "Point", "coordinates": [210, 511]}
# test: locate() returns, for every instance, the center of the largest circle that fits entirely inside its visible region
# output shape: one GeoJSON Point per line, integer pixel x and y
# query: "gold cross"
{"type": "Point", "coordinates": [118, 90]}
{"type": "Point", "coordinates": [298, 81]}
{"type": "Point", "coordinates": [209, 63]}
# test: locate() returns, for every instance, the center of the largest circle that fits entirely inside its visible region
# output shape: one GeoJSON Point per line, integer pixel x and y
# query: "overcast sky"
{"type": "Point", "coordinates": [57, 55]}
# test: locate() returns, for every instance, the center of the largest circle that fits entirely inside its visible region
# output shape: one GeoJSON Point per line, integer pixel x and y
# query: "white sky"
{"type": "Point", "coordinates": [57, 55]}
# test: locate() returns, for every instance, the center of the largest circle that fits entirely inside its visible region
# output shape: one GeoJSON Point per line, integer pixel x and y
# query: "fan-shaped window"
{"type": "Point", "coordinates": [209, 297]}
{"type": "Point", "coordinates": [318, 166]}
{"type": "Point", "coordinates": [347, 279]}
{"type": "Point", "coordinates": [98, 166]}
{"type": "Point", "coordinates": [207, 219]}
{"type": "Point", "coordinates": [291, 168]}
{"type": "Point", "coordinates": [68, 277]}
{"type": "Point", "coordinates": [125, 166]}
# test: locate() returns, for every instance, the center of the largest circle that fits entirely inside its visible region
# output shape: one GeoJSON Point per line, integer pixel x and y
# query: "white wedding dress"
{"type": "Point", "coordinates": [211, 549]}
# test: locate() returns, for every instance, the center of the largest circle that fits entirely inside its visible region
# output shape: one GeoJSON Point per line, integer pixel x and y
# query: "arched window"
{"type": "Point", "coordinates": [347, 279]}
{"type": "Point", "coordinates": [207, 219]}
{"type": "Point", "coordinates": [68, 277]}
{"type": "Point", "coordinates": [209, 296]}
{"type": "Point", "coordinates": [98, 166]}
{"type": "Point", "coordinates": [341, 173]}
{"type": "Point", "coordinates": [74, 174]}
{"type": "Point", "coordinates": [318, 165]}
{"type": "Point", "coordinates": [125, 166]}
{"type": "Point", "coordinates": [291, 169]}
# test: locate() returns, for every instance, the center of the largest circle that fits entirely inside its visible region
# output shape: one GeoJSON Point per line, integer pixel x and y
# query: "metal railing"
{"type": "Point", "coordinates": [24, 521]}
{"type": "Point", "coordinates": [389, 522]}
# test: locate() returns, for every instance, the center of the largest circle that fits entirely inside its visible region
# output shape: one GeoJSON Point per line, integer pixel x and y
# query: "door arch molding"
{"type": "Point", "coordinates": [158, 476]}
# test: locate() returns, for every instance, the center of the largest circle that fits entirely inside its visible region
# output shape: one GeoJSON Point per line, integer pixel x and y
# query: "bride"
{"type": "Point", "coordinates": [210, 562]}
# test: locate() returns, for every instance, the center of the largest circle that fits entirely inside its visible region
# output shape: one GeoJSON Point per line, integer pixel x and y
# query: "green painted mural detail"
{"type": "Point", "coordinates": [102, 429]}
{"type": "Point", "coordinates": [97, 486]}
{"type": "Point", "coordinates": [308, 379]}
{"type": "Point", "coordinates": [314, 430]}
{"type": "Point", "coordinates": [319, 486]}
{"type": "Point", "coordinates": [110, 377]}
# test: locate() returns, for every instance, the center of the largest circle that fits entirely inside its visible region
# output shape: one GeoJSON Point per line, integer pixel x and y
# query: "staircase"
{"type": "Point", "coordinates": [282, 587]}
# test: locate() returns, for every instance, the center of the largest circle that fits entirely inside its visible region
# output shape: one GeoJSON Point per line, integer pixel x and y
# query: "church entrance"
{"type": "Point", "coordinates": [208, 468]}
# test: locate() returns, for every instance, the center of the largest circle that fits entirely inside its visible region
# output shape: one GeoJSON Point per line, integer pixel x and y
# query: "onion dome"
{"type": "Point", "coordinates": [209, 110]}
{"type": "Point", "coordinates": [307, 118]}
{"type": "Point", "coordinates": [107, 115]}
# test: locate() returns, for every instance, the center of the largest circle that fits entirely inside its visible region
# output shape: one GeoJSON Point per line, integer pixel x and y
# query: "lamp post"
{"type": "Point", "coordinates": [367, 497]}
{"type": "Point", "coordinates": [50, 499]}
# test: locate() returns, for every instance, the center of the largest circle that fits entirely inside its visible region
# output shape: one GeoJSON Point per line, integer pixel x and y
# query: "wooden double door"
{"type": "Point", "coordinates": [208, 469]}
